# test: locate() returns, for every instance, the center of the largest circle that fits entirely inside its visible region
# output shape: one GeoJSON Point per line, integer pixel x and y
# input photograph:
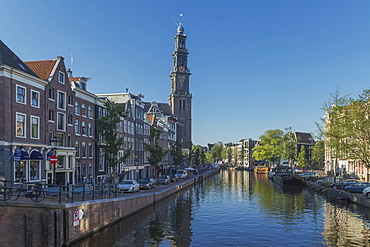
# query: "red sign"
{"type": "Point", "coordinates": [53, 159]}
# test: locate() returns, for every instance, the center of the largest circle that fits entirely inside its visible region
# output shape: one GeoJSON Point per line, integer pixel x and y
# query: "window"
{"type": "Point", "coordinates": [61, 100]}
{"type": "Point", "coordinates": [61, 161]}
{"type": "Point", "coordinates": [89, 112]}
{"type": "Point", "coordinates": [83, 128]}
{"type": "Point", "coordinates": [77, 127]}
{"type": "Point", "coordinates": [35, 98]}
{"type": "Point", "coordinates": [20, 171]}
{"type": "Point", "coordinates": [84, 150]}
{"type": "Point", "coordinates": [90, 130]}
{"type": "Point", "coordinates": [77, 108]}
{"type": "Point", "coordinates": [61, 121]}
{"type": "Point", "coordinates": [77, 144]}
{"type": "Point", "coordinates": [61, 77]}
{"type": "Point", "coordinates": [90, 150]}
{"type": "Point", "coordinates": [83, 109]}
{"type": "Point", "coordinates": [69, 141]}
{"type": "Point", "coordinates": [70, 100]}
{"type": "Point", "coordinates": [35, 170]}
{"type": "Point", "coordinates": [51, 115]}
{"type": "Point", "coordinates": [35, 127]}
{"type": "Point", "coordinates": [21, 94]}
{"type": "Point", "coordinates": [21, 125]}
{"type": "Point", "coordinates": [69, 120]}
{"type": "Point", "coordinates": [51, 93]}
{"type": "Point", "coordinates": [69, 162]}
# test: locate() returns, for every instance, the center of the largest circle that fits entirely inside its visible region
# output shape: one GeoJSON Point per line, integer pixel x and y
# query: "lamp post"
{"type": "Point", "coordinates": [54, 146]}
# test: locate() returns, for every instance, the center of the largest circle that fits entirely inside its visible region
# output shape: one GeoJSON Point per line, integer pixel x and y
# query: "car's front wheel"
{"type": "Point", "coordinates": [368, 195]}
{"type": "Point", "coordinates": [335, 187]}
{"type": "Point", "coordinates": [348, 190]}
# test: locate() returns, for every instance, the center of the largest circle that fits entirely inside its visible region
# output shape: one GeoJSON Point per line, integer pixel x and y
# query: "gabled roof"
{"type": "Point", "coordinates": [42, 68]}
{"type": "Point", "coordinates": [9, 58]}
{"type": "Point", "coordinates": [304, 138]}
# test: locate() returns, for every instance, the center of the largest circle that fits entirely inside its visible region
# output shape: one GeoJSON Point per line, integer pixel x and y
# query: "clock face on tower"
{"type": "Point", "coordinates": [181, 68]}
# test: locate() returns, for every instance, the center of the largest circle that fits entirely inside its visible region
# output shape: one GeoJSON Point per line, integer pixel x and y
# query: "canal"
{"type": "Point", "coordinates": [240, 208]}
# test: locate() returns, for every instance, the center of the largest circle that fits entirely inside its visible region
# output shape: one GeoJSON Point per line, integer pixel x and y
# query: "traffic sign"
{"type": "Point", "coordinates": [53, 159]}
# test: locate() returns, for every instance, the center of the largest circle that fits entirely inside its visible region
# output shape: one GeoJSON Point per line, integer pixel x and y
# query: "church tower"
{"type": "Point", "coordinates": [180, 98]}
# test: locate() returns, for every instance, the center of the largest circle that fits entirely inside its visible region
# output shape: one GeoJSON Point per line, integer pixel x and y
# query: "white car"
{"type": "Point", "coordinates": [128, 186]}
{"type": "Point", "coordinates": [366, 192]}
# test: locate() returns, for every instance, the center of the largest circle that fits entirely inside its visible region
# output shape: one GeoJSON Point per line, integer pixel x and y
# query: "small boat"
{"type": "Point", "coordinates": [261, 169]}
{"type": "Point", "coordinates": [285, 175]}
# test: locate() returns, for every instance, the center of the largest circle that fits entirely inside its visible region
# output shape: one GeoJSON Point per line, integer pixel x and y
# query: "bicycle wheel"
{"type": "Point", "coordinates": [5, 194]}
{"type": "Point", "coordinates": [15, 193]}
{"type": "Point", "coordinates": [37, 196]}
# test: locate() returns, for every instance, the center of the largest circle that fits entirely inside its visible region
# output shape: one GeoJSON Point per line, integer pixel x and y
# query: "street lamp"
{"type": "Point", "coordinates": [54, 142]}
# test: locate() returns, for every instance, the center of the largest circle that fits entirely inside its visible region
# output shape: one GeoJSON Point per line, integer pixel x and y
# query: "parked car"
{"type": "Point", "coordinates": [164, 179]}
{"type": "Point", "coordinates": [174, 177]}
{"type": "Point", "coordinates": [344, 183]}
{"type": "Point", "coordinates": [308, 175]}
{"type": "Point", "coordinates": [182, 173]}
{"type": "Point", "coordinates": [327, 181]}
{"type": "Point", "coordinates": [147, 183]}
{"type": "Point", "coordinates": [128, 186]}
{"type": "Point", "coordinates": [357, 187]}
{"type": "Point", "coordinates": [366, 192]}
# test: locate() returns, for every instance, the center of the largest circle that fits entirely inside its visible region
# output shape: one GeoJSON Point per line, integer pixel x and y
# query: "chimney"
{"type": "Point", "coordinates": [126, 90]}
{"type": "Point", "coordinates": [69, 72]}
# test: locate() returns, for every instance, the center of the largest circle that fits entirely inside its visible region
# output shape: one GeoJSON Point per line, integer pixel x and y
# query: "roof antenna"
{"type": "Point", "coordinates": [71, 60]}
{"type": "Point", "coordinates": [175, 21]}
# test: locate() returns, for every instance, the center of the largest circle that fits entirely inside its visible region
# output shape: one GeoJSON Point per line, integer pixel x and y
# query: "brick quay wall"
{"type": "Point", "coordinates": [52, 224]}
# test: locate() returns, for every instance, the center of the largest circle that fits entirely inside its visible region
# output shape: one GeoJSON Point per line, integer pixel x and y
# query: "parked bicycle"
{"type": "Point", "coordinates": [35, 193]}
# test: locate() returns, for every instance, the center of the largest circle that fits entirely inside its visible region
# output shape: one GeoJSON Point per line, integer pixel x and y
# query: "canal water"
{"type": "Point", "coordinates": [240, 208]}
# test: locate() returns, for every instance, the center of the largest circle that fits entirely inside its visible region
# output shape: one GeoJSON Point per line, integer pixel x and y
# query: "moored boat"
{"type": "Point", "coordinates": [284, 175]}
{"type": "Point", "coordinates": [261, 169]}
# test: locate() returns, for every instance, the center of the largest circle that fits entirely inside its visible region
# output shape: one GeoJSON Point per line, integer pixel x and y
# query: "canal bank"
{"type": "Point", "coordinates": [53, 224]}
{"type": "Point", "coordinates": [340, 195]}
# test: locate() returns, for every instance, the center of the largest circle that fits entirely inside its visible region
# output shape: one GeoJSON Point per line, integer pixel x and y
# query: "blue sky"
{"type": "Point", "coordinates": [256, 65]}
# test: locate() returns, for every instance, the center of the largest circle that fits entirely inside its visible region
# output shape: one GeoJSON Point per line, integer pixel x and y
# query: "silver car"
{"type": "Point", "coordinates": [128, 186]}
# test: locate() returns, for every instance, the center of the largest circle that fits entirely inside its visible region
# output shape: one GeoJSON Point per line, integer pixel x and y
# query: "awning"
{"type": "Point", "coordinates": [36, 155]}
{"type": "Point", "coordinates": [20, 154]}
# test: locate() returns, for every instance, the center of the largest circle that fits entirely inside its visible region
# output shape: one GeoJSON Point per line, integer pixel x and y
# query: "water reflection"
{"type": "Point", "coordinates": [239, 208]}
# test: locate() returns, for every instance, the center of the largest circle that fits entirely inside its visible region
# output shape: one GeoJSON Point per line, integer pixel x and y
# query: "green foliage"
{"type": "Point", "coordinates": [347, 129]}
{"type": "Point", "coordinates": [176, 153]}
{"type": "Point", "coordinates": [106, 127]}
{"type": "Point", "coordinates": [318, 155]}
{"type": "Point", "coordinates": [198, 155]}
{"type": "Point", "coordinates": [217, 150]}
{"type": "Point", "coordinates": [302, 161]}
{"type": "Point", "coordinates": [156, 150]}
{"type": "Point", "coordinates": [208, 158]}
{"type": "Point", "coordinates": [288, 145]}
{"type": "Point", "coordinates": [270, 146]}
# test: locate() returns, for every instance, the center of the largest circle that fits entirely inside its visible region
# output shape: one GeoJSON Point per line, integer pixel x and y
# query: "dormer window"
{"type": "Point", "coordinates": [61, 77]}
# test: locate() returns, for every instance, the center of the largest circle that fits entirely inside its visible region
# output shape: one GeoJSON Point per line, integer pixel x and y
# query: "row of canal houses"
{"type": "Point", "coordinates": [45, 111]}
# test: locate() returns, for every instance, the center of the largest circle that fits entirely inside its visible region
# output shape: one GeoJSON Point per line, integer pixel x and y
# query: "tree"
{"type": "Point", "coordinates": [318, 155]}
{"type": "Point", "coordinates": [208, 158]}
{"type": "Point", "coordinates": [156, 150]}
{"type": "Point", "coordinates": [302, 161]}
{"type": "Point", "coordinates": [289, 145]}
{"type": "Point", "coordinates": [176, 153]}
{"type": "Point", "coordinates": [197, 154]}
{"type": "Point", "coordinates": [216, 151]}
{"type": "Point", "coordinates": [347, 129]}
{"type": "Point", "coordinates": [270, 146]}
{"type": "Point", "coordinates": [106, 127]}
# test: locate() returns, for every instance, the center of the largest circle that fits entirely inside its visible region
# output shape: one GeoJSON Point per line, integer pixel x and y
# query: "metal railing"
{"type": "Point", "coordinates": [38, 191]}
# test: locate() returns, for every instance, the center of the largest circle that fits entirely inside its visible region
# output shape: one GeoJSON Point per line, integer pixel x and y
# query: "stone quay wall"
{"type": "Point", "coordinates": [52, 224]}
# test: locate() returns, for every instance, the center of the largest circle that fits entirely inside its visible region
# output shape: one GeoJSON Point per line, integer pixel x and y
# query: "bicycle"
{"type": "Point", "coordinates": [6, 193]}
{"type": "Point", "coordinates": [36, 193]}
